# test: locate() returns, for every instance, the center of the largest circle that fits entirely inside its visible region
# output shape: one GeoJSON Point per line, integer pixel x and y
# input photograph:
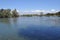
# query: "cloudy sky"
{"type": "Point", "coordinates": [31, 5]}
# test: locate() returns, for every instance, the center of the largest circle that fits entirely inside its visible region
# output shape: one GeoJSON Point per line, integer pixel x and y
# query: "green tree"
{"type": "Point", "coordinates": [6, 13]}
{"type": "Point", "coordinates": [15, 13]}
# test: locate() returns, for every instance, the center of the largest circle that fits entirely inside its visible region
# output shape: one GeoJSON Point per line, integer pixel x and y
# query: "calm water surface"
{"type": "Point", "coordinates": [30, 28]}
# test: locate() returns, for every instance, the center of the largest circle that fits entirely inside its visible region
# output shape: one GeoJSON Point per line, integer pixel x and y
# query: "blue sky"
{"type": "Point", "coordinates": [27, 5]}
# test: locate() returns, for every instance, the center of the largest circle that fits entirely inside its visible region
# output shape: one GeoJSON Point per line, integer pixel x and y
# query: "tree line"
{"type": "Point", "coordinates": [7, 13]}
{"type": "Point", "coordinates": [42, 14]}
{"type": "Point", "coordinates": [53, 14]}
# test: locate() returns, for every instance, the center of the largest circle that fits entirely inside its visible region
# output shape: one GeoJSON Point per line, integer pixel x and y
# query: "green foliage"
{"type": "Point", "coordinates": [7, 13]}
{"type": "Point", "coordinates": [15, 13]}
{"type": "Point", "coordinates": [53, 14]}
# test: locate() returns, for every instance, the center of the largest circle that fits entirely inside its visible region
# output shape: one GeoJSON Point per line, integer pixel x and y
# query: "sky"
{"type": "Point", "coordinates": [31, 5]}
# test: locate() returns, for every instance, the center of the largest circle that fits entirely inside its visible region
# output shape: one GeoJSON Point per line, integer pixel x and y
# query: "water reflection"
{"type": "Point", "coordinates": [4, 20]}
{"type": "Point", "coordinates": [8, 20]}
{"type": "Point", "coordinates": [30, 28]}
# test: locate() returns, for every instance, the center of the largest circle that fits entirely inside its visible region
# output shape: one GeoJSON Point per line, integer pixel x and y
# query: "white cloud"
{"type": "Point", "coordinates": [26, 11]}
{"type": "Point", "coordinates": [18, 11]}
{"type": "Point", "coordinates": [35, 11]}
{"type": "Point", "coordinates": [53, 10]}
{"type": "Point", "coordinates": [38, 11]}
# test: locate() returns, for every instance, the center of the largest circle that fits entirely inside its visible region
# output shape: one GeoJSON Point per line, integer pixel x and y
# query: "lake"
{"type": "Point", "coordinates": [30, 28]}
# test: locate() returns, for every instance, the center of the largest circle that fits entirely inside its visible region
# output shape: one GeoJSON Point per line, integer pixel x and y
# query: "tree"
{"type": "Point", "coordinates": [15, 13]}
{"type": "Point", "coordinates": [6, 13]}
{"type": "Point", "coordinates": [1, 13]}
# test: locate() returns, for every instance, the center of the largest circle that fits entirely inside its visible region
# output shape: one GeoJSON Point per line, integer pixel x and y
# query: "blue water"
{"type": "Point", "coordinates": [30, 28]}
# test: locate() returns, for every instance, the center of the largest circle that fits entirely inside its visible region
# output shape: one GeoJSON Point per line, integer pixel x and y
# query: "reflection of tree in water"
{"type": "Point", "coordinates": [8, 20]}
{"type": "Point", "coordinates": [4, 20]}
{"type": "Point", "coordinates": [13, 20]}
